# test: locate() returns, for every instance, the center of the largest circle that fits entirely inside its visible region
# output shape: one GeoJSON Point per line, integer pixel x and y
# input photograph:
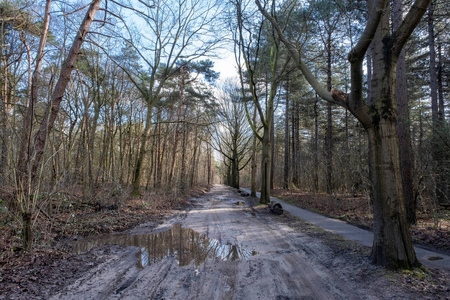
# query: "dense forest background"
{"type": "Point", "coordinates": [104, 101]}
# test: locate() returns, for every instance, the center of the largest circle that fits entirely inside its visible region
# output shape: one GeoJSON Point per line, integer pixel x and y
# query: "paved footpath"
{"type": "Point", "coordinates": [364, 237]}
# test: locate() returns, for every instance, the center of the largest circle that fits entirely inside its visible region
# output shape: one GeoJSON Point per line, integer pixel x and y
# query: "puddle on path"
{"type": "Point", "coordinates": [184, 244]}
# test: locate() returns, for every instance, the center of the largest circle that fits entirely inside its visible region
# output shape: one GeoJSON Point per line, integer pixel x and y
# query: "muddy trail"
{"type": "Point", "coordinates": [223, 248]}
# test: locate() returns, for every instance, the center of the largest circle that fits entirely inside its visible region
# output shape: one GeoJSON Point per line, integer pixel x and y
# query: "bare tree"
{"type": "Point", "coordinates": [233, 139]}
{"type": "Point", "coordinates": [250, 42]}
{"type": "Point", "coordinates": [31, 154]}
{"type": "Point", "coordinates": [173, 30]}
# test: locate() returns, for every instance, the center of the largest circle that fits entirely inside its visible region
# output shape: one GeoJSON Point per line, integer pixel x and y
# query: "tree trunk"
{"type": "Point", "coordinates": [272, 152]}
{"type": "Point", "coordinates": [27, 232]}
{"type": "Point", "coordinates": [209, 162]}
{"type": "Point", "coordinates": [194, 157]}
{"type": "Point", "coordinates": [329, 138]}
{"type": "Point", "coordinates": [234, 171]}
{"type": "Point", "coordinates": [177, 126]}
{"type": "Point", "coordinates": [3, 122]}
{"type": "Point", "coordinates": [440, 87]}
{"type": "Point", "coordinates": [182, 181]}
{"type": "Point", "coordinates": [154, 154]}
{"type": "Point", "coordinates": [316, 147]}
{"type": "Point", "coordinates": [141, 155]}
{"type": "Point", "coordinates": [390, 225]}
{"type": "Point", "coordinates": [253, 163]}
{"type": "Point", "coordinates": [295, 145]}
{"type": "Point", "coordinates": [392, 245]}
{"type": "Point", "coordinates": [404, 136]}
{"type": "Point", "coordinates": [265, 167]}
{"type": "Point", "coordinates": [161, 160]}
{"type": "Point", "coordinates": [433, 73]}
{"type": "Point", "coordinates": [286, 139]}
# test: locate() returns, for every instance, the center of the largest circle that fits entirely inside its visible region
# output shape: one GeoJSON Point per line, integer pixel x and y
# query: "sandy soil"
{"type": "Point", "coordinates": [232, 252]}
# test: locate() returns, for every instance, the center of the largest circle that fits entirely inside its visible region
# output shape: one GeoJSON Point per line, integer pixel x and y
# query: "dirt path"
{"type": "Point", "coordinates": [428, 257]}
{"type": "Point", "coordinates": [232, 252]}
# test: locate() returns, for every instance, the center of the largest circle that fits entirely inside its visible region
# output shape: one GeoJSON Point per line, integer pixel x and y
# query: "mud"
{"type": "Point", "coordinates": [277, 261]}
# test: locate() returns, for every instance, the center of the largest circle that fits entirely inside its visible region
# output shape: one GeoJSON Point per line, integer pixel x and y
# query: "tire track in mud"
{"type": "Point", "coordinates": [287, 264]}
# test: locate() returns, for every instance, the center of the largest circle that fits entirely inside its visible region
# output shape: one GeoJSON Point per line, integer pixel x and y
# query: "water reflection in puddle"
{"type": "Point", "coordinates": [182, 243]}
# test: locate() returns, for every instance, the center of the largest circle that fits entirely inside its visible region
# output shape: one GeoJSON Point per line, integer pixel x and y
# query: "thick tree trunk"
{"type": "Point", "coordinates": [392, 245]}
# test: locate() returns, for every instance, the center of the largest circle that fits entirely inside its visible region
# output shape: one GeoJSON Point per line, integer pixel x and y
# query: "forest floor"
{"type": "Point", "coordinates": [221, 246]}
{"type": "Point", "coordinates": [432, 229]}
{"type": "Point", "coordinates": [52, 264]}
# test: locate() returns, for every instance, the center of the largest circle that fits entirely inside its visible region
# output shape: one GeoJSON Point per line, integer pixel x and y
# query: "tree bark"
{"type": "Point", "coordinates": [404, 136]}
{"type": "Point", "coordinates": [390, 223]}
